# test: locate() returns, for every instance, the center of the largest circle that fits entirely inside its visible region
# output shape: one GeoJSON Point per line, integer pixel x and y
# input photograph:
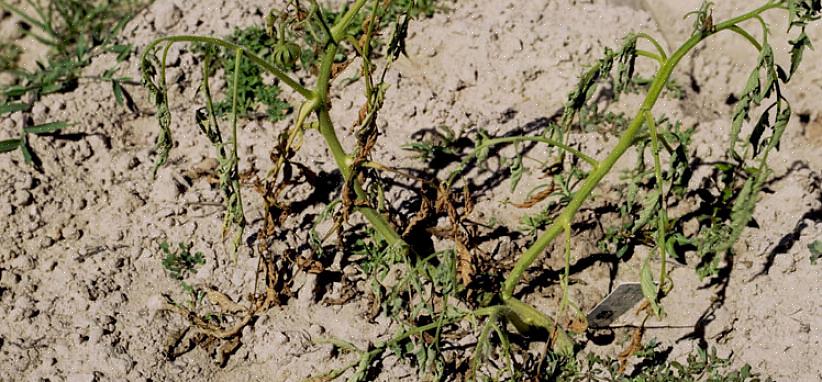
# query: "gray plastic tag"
{"type": "Point", "coordinates": [614, 305]}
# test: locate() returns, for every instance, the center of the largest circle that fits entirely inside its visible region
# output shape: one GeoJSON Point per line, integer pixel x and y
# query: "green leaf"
{"type": "Point", "coordinates": [123, 51]}
{"type": "Point", "coordinates": [15, 91]}
{"type": "Point", "coordinates": [646, 280]}
{"type": "Point", "coordinates": [766, 62]}
{"type": "Point", "coordinates": [46, 128]}
{"type": "Point", "coordinates": [816, 250]}
{"type": "Point", "coordinates": [798, 48]}
{"type": "Point", "coordinates": [672, 242]}
{"type": "Point", "coordinates": [51, 88]}
{"type": "Point", "coordinates": [783, 116]}
{"type": "Point", "coordinates": [517, 170]}
{"type": "Point", "coordinates": [752, 86]}
{"type": "Point", "coordinates": [649, 208]}
{"type": "Point", "coordinates": [118, 92]}
{"type": "Point", "coordinates": [756, 134]}
{"type": "Point", "coordinates": [27, 155]}
{"type": "Point", "coordinates": [9, 145]}
{"type": "Point", "coordinates": [13, 107]}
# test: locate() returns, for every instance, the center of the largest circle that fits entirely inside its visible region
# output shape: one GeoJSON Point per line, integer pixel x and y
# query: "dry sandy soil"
{"type": "Point", "coordinates": [81, 280]}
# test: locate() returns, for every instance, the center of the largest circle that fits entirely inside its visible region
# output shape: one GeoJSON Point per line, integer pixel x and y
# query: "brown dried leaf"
{"type": "Point", "coordinates": [310, 265]}
{"type": "Point", "coordinates": [338, 68]}
{"type": "Point", "coordinates": [536, 198]}
{"type": "Point", "coordinates": [465, 267]}
{"type": "Point", "coordinates": [225, 303]}
{"type": "Point", "coordinates": [466, 197]}
{"type": "Point", "coordinates": [226, 350]}
{"type": "Point", "coordinates": [420, 216]}
{"type": "Point", "coordinates": [442, 232]}
{"type": "Point", "coordinates": [361, 115]}
{"type": "Point", "coordinates": [374, 303]}
{"type": "Point", "coordinates": [206, 168]}
{"type": "Point", "coordinates": [633, 347]}
{"type": "Point", "coordinates": [578, 325]}
{"type": "Point", "coordinates": [347, 293]}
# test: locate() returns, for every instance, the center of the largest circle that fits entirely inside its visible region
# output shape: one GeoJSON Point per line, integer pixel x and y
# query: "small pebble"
{"type": "Point", "coordinates": [166, 15]}
{"type": "Point", "coordinates": [316, 330]}
{"type": "Point", "coordinates": [22, 198]}
{"type": "Point", "coordinates": [279, 338]}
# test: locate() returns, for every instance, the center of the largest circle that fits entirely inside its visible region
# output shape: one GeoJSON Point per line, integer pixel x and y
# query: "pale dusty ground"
{"type": "Point", "coordinates": [80, 272]}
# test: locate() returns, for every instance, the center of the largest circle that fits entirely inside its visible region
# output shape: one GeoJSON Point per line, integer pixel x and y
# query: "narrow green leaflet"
{"type": "Point", "coordinates": [783, 116]}
{"type": "Point", "coordinates": [9, 145]}
{"type": "Point", "coordinates": [646, 280]}
{"type": "Point", "coordinates": [118, 92]}
{"type": "Point", "coordinates": [759, 129]}
{"type": "Point", "coordinates": [27, 155]}
{"type": "Point", "coordinates": [517, 170]}
{"type": "Point", "coordinates": [46, 128]}
{"type": "Point", "coordinates": [13, 107]}
{"type": "Point", "coordinates": [798, 48]}
{"type": "Point", "coordinates": [649, 209]}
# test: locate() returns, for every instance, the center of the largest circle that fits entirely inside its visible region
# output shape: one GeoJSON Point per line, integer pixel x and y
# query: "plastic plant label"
{"type": "Point", "coordinates": [625, 296]}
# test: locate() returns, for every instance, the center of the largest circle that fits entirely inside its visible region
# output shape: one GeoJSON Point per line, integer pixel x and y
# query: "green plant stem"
{"type": "Point", "coordinates": [655, 43]}
{"type": "Point", "coordinates": [338, 30]}
{"type": "Point", "coordinates": [326, 127]}
{"type": "Point", "coordinates": [235, 181]}
{"type": "Point", "coordinates": [747, 36]}
{"type": "Point", "coordinates": [653, 56]}
{"type": "Point", "coordinates": [282, 76]}
{"type": "Point", "coordinates": [625, 142]}
{"type": "Point", "coordinates": [662, 218]}
{"type": "Point", "coordinates": [567, 272]}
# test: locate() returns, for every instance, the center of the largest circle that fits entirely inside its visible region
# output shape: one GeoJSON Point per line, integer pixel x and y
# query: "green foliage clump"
{"type": "Point", "coordinates": [180, 262]}
{"type": "Point", "coordinates": [251, 87]}
{"type": "Point", "coordinates": [75, 31]}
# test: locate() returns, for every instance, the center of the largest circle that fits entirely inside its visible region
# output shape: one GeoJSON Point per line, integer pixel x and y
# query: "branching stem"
{"type": "Point", "coordinates": [282, 76]}
{"type": "Point", "coordinates": [625, 142]}
{"type": "Point", "coordinates": [655, 43]}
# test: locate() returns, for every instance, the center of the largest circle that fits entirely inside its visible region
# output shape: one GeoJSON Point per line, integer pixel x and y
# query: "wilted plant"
{"type": "Point", "coordinates": [646, 213]}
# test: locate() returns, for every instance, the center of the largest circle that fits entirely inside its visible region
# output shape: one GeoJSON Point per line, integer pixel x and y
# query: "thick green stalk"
{"type": "Point", "coordinates": [625, 142]}
{"type": "Point", "coordinates": [338, 30]}
{"type": "Point", "coordinates": [342, 158]}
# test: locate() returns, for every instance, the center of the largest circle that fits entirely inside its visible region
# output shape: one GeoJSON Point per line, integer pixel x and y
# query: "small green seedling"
{"type": "Point", "coordinates": [179, 263]}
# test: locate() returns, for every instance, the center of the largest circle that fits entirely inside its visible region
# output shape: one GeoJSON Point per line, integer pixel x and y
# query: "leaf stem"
{"type": "Point", "coordinates": [326, 128]}
{"type": "Point", "coordinates": [653, 56]}
{"type": "Point", "coordinates": [338, 30]}
{"type": "Point", "coordinates": [662, 219]}
{"type": "Point", "coordinates": [653, 41]}
{"type": "Point", "coordinates": [742, 32]}
{"type": "Point", "coordinates": [282, 76]}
